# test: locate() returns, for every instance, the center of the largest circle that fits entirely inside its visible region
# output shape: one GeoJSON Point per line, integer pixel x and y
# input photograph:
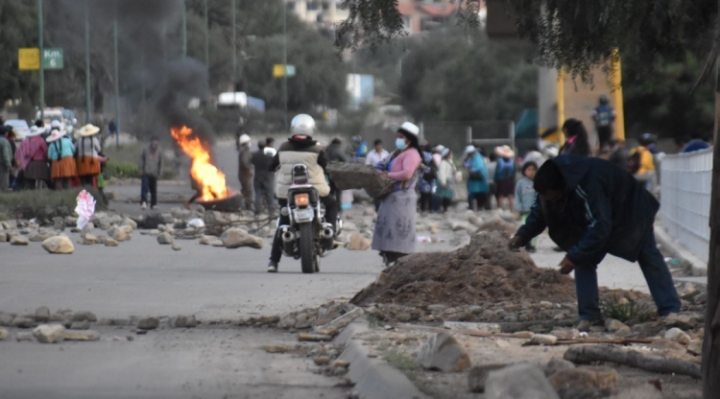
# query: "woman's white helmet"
{"type": "Point", "coordinates": [302, 124]}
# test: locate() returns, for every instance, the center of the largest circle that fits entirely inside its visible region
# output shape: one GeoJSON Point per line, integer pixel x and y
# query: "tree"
{"type": "Point", "coordinates": [441, 76]}
{"type": "Point", "coordinates": [657, 100]}
{"type": "Point", "coordinates": [320, 74]}
{"type": "Point", "coordinates": [18, 28]}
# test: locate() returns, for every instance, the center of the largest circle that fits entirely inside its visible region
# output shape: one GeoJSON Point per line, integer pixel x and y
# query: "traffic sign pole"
{"type": "Point", "coordinates": [88, 100]}
{"type": "Point", "coordinates": [285, 89]}
{"type": "Point", "coordinates": [42, 68]}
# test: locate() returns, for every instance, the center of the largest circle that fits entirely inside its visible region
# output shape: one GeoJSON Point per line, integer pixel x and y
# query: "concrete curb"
{"type": "Point", "coordinates": [373, 378]}
{"type": "Point", "coordinates": [698, 267]}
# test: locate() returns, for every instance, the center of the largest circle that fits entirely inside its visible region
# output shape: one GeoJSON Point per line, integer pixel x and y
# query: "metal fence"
{"type": "Point", "coordinates": [686, 181]}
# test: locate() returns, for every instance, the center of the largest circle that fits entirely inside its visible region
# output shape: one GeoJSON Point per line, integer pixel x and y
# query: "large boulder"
{"type": "Point", "coordinates": [443, 352]}
{"type": "Point", "coordinates": [49, 333]}
{"type": "Point", "coordinates": [477, 378]}
{"type": "Point", "coordinates": [356, 242]}
{"type": "Point", "coordinates": [165, 239]}
{"type": "Point", "coordinates": [236, 238]}
{"type": "Point", "coordinates": [595, 379]}
{"type": "Point", "coordinates": [519, 381]}
{"type": "Point", "coordinates": [58, 245]}
{"type": "Point", "coordinates": [19, 240]}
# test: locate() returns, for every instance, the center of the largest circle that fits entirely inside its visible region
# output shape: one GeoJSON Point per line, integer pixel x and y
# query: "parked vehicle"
{"type": "Point", "coordinates": [52, 114]}
{"type": "Point", "coordinates": [308, 237]}
{"type": "Point", "coordinates": [20, 127]}
{"type": "Point", "coordinates": [70, 119]}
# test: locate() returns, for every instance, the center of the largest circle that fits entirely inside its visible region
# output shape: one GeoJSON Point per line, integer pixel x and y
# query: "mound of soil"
{"type": "Point", "coordinates": [485, 270]}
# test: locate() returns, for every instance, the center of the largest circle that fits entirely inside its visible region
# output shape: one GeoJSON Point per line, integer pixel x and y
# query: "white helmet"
{"type": "Point", "coordinates": [302, 124]}
{"type": "Point", "coordinates": [244, 139]}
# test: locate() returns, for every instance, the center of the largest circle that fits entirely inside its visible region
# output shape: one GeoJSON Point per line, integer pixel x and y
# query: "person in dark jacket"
{"type": "Point", "coordinates": [335, 153]}
{"type": "Point", "coordinates": [576, 139]}
{"type": "Point", "coordinates": [593, 208]}
{"type": "Point", "coordinates": [264, 182]}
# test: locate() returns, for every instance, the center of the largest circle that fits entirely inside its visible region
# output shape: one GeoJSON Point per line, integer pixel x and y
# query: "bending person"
{"type": "Point", "coordinates": [593, 208]}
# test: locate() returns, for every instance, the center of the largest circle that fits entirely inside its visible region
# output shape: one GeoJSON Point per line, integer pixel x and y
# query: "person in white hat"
{"type": "Point", "coordinates": [505, 176]}
{"type": "Point", "coordinates": [395, 228]}
{"type": "Point", "coordinates": [88, 155]}
{"type": "Point", "coordinates": [246, 172]}
{"type": "Point", "coordinates": [300, 148]}
{"type": "Point", "coordinates": [31, 155]}
{"type": "Point", "coordinates": [61, 155]}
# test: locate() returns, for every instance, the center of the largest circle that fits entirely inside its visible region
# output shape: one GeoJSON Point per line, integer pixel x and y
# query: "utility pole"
{"type": "Point", "coordinates": [88, 98]}
{"type": "Point", "coordinates": [234, 44]}
{"type": "Point", "coordinates": [560, 105]}
{"type": "Point", "coordinates": [711, 342]}
{"type": "Point", "coordinates": [618, 95]}
{"type": "Point", "coordinates": [41, 47]}
{"type": "Point", "coordinates": [117, 82]}
{"type": "Point", "coordinates": [207, 37]}
{"type": "Point", "coordinates": [184, 29]}
{"type": "Point", "coordinates": [285, 90]}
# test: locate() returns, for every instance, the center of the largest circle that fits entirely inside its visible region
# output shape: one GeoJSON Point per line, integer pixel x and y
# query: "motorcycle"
{"type": "Point", "coordinates": [308, 237]}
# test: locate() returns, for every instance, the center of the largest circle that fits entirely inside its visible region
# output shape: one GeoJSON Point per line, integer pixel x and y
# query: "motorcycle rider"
{"type": "Point", "coordinates": [300, 149]}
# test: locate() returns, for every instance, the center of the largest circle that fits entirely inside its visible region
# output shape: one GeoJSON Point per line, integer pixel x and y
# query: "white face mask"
{"type": "Point", "coordinates": [400, 144]}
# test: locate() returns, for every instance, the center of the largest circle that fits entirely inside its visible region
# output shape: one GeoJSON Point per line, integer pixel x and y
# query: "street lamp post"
{"type": "Point", "coordinates": [207, 36]}
{"type": "Point", "coordinates": [41, 47]}
{"type": "Point", "coordinates": [184, 29]}
{"type": "Point", "coordinates": [117, 84]}
{"type": "Point", "coordinates": [285, 90]}
{"type": "Point", "coordinates": [234, 44]}
{"type": "Point", "coordinates": [88, 99]}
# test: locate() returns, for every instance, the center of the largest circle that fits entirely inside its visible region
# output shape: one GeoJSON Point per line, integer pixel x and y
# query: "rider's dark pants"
{"type": "Point", "coordinates": [331, 214]}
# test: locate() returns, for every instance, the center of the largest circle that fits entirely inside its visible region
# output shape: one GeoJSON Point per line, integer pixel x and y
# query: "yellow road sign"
{"type": "Point", "coordinates": [29, 59]}
{"type": "Point", "coordinates": [278, 70]}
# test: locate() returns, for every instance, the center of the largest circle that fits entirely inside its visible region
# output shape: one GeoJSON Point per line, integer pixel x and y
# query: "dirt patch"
{"type": "Point", "coordinates": [485, 270]}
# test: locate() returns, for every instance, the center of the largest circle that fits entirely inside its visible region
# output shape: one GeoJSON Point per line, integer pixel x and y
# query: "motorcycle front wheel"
{"type": "Point", "coordinates": [308, 258]}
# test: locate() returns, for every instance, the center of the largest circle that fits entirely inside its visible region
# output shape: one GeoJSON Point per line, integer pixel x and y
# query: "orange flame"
{"type": "Point", "coordinates": [211, 180]}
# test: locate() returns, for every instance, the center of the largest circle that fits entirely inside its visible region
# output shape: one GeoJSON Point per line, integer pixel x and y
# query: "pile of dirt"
{"type": "Point", "coordinates": [485, 270]}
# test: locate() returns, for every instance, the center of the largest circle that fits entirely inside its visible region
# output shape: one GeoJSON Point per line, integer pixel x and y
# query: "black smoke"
{"type": "Point", "coordinates": [157, 82]}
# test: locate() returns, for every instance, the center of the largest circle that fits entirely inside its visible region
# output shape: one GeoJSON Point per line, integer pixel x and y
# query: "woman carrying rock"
{"type": "Point", "coordinates": [395, 228]}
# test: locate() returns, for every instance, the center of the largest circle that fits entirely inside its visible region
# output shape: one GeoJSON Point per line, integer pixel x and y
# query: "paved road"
{"type": "Point", "coordinates": [178, 364]}
{"type": "Point", "coordinates": [140, 277]}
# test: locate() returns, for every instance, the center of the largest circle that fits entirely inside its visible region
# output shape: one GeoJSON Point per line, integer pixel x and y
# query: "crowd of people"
{"type": "Point", "coordinates": [50, 157]}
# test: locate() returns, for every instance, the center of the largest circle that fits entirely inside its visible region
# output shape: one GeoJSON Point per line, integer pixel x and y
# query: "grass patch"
{"type": "Point", "coordinates": [43, 205]}
{"type": "Point", "coordinates": [624, 310]}
{"type": "Point", "coordinates": [124, 162]}
{"type": "Point", "coordinates": [121, 170]}
{"type": "Point", "coordinates": [405, 363]}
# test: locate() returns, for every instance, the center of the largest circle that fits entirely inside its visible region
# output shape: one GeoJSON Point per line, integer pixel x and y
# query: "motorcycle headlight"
{"type": "Point", "coordinates": [302, 199]}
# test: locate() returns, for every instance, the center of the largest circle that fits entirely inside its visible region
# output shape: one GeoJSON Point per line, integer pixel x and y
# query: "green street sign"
{"type": "Point", "coordinates": [52, 58]}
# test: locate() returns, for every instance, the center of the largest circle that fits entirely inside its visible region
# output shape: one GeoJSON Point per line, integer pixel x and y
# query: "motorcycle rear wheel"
{"type": "Point", "coordinates": [308, 258]}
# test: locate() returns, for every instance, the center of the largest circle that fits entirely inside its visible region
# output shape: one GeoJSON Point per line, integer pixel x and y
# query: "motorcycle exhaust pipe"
{"type": "Point", "coordinates": [327, 232]}
{"type": "Point", "coordinates": [288, 236]}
